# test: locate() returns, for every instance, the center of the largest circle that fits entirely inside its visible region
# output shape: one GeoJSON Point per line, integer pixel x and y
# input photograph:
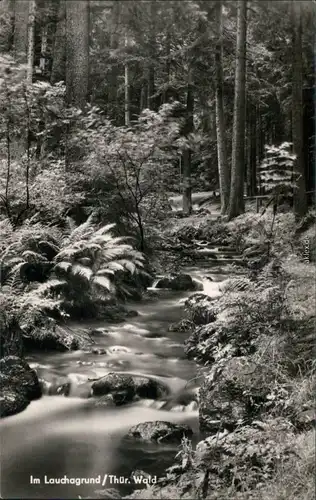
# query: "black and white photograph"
{"type": "Point", "coordinates": [157, 249]}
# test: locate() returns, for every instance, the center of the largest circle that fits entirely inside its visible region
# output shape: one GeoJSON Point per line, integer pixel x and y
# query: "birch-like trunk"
{"type": "Point", "coordinates": [31, 41]}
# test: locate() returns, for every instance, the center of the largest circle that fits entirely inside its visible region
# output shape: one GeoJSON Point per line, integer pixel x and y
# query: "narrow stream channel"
{"type": "Point", "coordinates": [58, 435]}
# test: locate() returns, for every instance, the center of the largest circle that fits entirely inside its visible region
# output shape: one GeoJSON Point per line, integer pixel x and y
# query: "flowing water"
{"type": "Point", "coordinates": [57, 435]}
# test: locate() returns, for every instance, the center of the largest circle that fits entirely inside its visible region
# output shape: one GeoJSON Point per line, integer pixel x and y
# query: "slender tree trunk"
{"type": "Point", "coordinates": [253, 152]}
{"type": "Point", "coordinates": [114, 74]}
{"type": "Point", "coordinates": [300, 202]}
{"type": "Point", "coordinates": [21, 19]}
{"type": "Point", "coordinates": [31, 40]}
{"type": "Point", "coordinates": [152, 49]}
{"type": "Point", "coordinates": [187, 155]}
{"type": "Point", "coordinates": [223, 168]}
{"type": "Point", "coordinates": [59, 52]}
{"type": "Point", "coordinates": [44, 40]}
{"type": "Point", "coordinates": [165, 96]}
{"type": "Point", "coordinates": [236, 201]}
{"type": "Point", "coordinates": [77, 52]}
{"type": "Point", "coordinates": [127, 91]}
{"type": "Point", "coordinates": [144, 95]}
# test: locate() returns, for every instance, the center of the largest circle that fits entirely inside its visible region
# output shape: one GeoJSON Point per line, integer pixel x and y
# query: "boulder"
{"type": "Point", "coordinates": [180, 282]}
{"type": "Point", "coordinates": [120, 386]}
{"type": "Point", "coordinates": [12, 402]}
{"type": "Point", "coordinates": [17, 376]}
{"type": "Point", "coordinates": [60, 389]}
{"type": "Point", "coordinates": [106, 401]}
{"type": "Point", "coordinates": [57, 338]}
{"type": "Point", "coordinates": [201, 309]}
{"type": "Point", "coordinates": [98, 350]}
{"type": "Point", "coordinates": [160, 432]}
{"type": "Point", "coordinates": [19, 385]}
{"type": "Point", "coordinates": [147, 388]}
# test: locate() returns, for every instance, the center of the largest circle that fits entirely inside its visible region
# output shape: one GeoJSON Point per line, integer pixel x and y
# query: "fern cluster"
{"type": "Point", "coordinates": [46, 274]}
{"type": "Point", "coordinates": [92, 261]}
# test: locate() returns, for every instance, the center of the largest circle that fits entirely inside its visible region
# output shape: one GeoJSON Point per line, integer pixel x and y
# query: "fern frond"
{"type": "Point", "coordinates": [101, 272]}
{"type": "Point", "coordinates": [50, 286]}
{"type": "Point", "coordinates": [104, 229]}
{"type": "Point", "coordinates": [83, 271]}
{"type": "Point", "coordinates": [108, 239]}
{"type": "Point", "coordinates": [84, 229]}
{"type": "Point", "coordinates": [115, 266]}
{"type": "Point", "coordinates": [68, 252]}
{"type": "Point", "coordinates": [50, 244]}
{"type": "Point", "coordinates": [71, 225]}
{"type": "Point", "coordinates": [65, 266]}
{"type": "Point", "coordinates": [103, 282]}
{"type": "Point", "coordinates": [85, 261]}
{"type": "Point", "coordinates": [33, 257]}
{"type": "Point", "coordinates": [128, 265]}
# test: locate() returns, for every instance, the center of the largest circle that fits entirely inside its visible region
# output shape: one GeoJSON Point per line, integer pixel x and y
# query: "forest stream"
{"type": "Point", "coordinates": [58, 435]}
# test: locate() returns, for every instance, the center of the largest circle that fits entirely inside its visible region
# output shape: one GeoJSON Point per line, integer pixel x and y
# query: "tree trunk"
{"type": "Point", "coordinates": [223, 168]}
{"type": "Point", "coordinates": [144, 94]}
{"type": "Point", "coordinates": [7, 30]}
{"type": "Point", "coordinates": [253, 152]}
{"type": "Point", "coordinates": [236, 201]}
{"type": "Point", "coordinates": [21, 19]}
{"type": "Point", "coordinates": [114, 74]}
{"type": "Point", "coordinates": [152, 55]}
{"type": "Point", "coordinates": [127, 93]}
{"type": "Point", "coordinates": [165, 96]}
{"type": "Point", "coordinates": [186, 158]}
{"type": "Point", "coordinates": [300, 202]}
{"type": "Point", "coordinates": [31, 40]}
{"type": "Point", "coordinates": [59, 51]}
{"type": "Point", "coordinates": [77, 52]}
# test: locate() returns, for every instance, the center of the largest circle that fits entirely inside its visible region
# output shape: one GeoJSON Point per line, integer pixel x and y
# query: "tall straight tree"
{"type": "Point", "coordinates": [152, 48]}
{"type": "Point", "coordinates": [31, 40]}
{"type": "Point", "coordinates": [20, 39]}
{"type": "Point", "coordinates": [77, 51]}
{"type": "Point", "coordinates": [59, 50]}
{"type": "Point", "coordinates": [223, 167]}
{"type": "Point", "coordinates": [236, 200]}
{"type": "Point", "coordinates": [187, 155]}
{"type": "Point", "coordinates": [300, 202]}
{"type": "Point", "coordinates": [127, 89]}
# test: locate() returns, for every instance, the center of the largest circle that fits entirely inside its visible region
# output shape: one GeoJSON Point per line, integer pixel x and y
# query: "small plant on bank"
{"type": "Point", "coordinates": [186, 454]}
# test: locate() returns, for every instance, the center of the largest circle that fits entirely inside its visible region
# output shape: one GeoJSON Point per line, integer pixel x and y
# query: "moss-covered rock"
{"type": "Point", "coordinates": [17, 375]}
{"type": "Point", "coordinates": [121, 387]}
{"type": "Point", "coordinates": [12, 402]}
{"type": "Point", "coordinates": [19, 385]}
{"type": "Point", "coordinates": [180, 282]}
{"type": "Point", "coordinates": [160, 432]}
{"type": "Point", "coordinates": [147, 388]}
{"type": "Point", "coordinates": [201, 309]}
